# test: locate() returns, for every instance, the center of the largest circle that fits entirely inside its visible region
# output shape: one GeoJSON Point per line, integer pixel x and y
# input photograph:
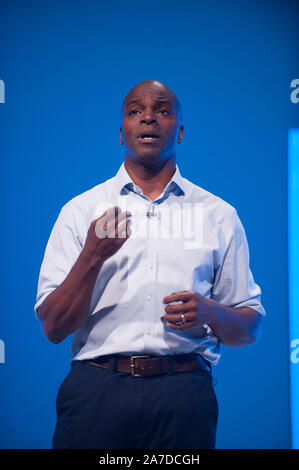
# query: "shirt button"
{"type": "Point", "coordinates": [149, 297]}
{"type": "Point", "coordinates": [151, 266]}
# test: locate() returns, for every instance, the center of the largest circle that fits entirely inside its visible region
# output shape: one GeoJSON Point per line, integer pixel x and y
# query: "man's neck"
{"type": "Point", "coordinates": [152, 181]}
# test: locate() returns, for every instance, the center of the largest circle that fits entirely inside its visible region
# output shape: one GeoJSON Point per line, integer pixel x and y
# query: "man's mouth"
{"type": "Point", "coordinates": [148, 137]}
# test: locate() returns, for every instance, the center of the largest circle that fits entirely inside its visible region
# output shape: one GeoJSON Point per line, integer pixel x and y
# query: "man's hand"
{"type": "Point", "coordinates": [106, 235]}
{"type": "Point", "coordinates": [196, 308]}
{"type": "Point", "coordinates": [233, 326]}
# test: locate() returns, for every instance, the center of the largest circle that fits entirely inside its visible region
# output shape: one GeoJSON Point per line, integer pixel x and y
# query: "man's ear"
{"type": "Point", "coordinates": [121, 137]}
{"type": "Point", "coordinates": [181, 133]}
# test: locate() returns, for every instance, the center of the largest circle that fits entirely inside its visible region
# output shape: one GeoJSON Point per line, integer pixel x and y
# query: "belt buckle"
{"type": "Point", "coordinates": [132, 365]}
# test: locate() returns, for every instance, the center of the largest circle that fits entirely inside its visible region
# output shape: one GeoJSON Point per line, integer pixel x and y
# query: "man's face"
{"type": "Point", "coordinates": [151, 128]}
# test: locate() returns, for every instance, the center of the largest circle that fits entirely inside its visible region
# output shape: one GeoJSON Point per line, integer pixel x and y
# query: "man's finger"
{"type": "Point", "coordinates": [109, 213]}
{"type": "Point", "coordinates": [177, 308]}
{"type": "Point", "coordinates": [113, 224]}
{"type": "Point", "coordinates": [178, 296]}
{"type": "Point", "coordinates": [177, 318]}
{"type": "Point", "coordinates": [124, 230]}
{"type": "Point", "coordinates": [183, 326]}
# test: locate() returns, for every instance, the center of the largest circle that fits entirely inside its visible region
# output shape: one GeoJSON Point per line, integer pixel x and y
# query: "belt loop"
{"type": "Point", "coordinates": [112, 364]}
{"type": "Point", "coordinates": [170, 365]}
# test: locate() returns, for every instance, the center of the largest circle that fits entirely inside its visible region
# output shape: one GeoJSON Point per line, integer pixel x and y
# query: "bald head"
{"type": "Point", "coordinates": [159, 89]}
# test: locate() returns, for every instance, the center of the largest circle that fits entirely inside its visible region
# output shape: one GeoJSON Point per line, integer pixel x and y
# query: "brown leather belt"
{"type": "Point", "coordinates": [146, 366]}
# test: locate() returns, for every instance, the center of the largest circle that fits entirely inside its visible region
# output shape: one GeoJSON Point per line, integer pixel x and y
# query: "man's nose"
{"type": "Point", "coordinates": [148, 117]}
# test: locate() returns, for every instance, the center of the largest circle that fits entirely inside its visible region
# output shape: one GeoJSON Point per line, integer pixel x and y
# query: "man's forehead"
{"type": "Point", "coordinates": [150, 88]}
{"type": "Point", "coordinates": [138, 98]}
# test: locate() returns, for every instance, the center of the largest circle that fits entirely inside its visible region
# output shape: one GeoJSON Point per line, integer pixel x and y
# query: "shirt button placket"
{"type": "Point", "coordinates": [151, 276]}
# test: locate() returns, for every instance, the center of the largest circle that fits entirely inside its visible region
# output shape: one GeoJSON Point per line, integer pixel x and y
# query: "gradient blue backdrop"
{"type": "Point", "coordinates": [66, 67]}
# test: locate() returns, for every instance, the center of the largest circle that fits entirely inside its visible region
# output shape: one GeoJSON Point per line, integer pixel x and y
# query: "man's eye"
{"type": "Point", "coordinates": [163, 111]}
{"type": "Point", "coordinates": [134, 111]}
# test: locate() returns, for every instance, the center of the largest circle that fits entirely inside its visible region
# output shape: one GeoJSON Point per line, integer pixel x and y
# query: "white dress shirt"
{"type": "Point", "coordinates": [186, 239]}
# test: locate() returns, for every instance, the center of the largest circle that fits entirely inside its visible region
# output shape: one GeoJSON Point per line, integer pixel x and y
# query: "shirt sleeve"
{"type": "Point", "coordinates": [234, 285]}
{"type": "Point", "coordinates": [62, 251]}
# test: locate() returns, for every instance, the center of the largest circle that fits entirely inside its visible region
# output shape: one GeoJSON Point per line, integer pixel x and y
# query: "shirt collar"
{"type": "Point", "coordinates": [123, 180]}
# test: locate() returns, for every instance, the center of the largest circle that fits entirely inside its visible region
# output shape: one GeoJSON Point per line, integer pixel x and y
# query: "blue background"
{"type": "Point", "coordinates": [66, 67]}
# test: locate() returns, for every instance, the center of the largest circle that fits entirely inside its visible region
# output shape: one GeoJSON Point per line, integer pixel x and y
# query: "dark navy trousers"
{"type": "Point", "coordinates": [101, 408]}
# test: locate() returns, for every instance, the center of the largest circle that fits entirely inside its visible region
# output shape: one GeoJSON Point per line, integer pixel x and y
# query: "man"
{"type": "Point", "coordinates": [150, 293]}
